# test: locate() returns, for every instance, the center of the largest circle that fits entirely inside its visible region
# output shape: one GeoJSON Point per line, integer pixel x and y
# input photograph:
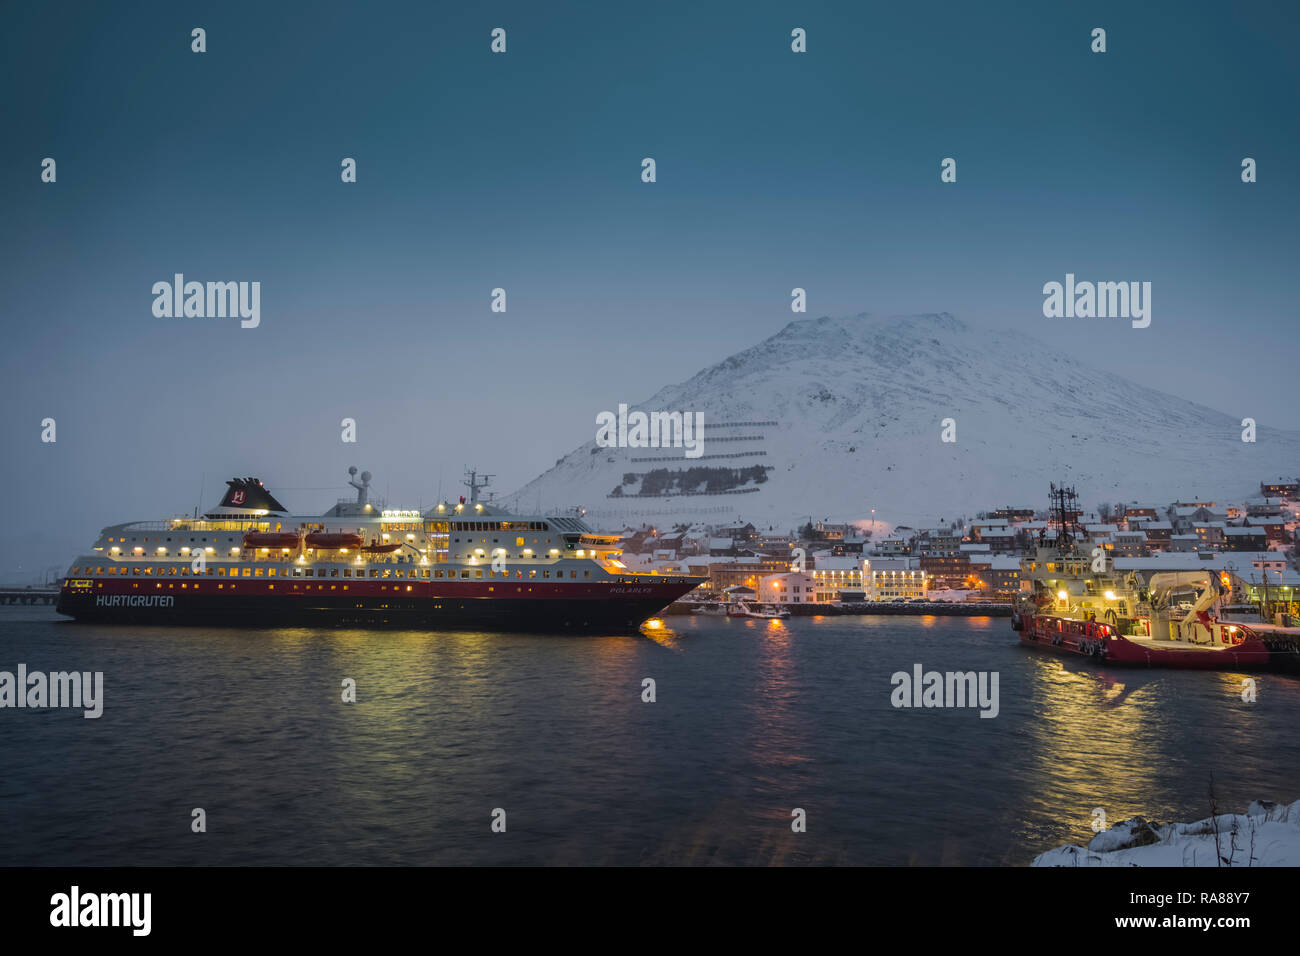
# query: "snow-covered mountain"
{"type": "Point", "coordinates": [849, 412]}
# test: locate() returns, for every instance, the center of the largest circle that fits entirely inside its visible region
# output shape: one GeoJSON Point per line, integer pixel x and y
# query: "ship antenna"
{"type": "Point", "coordinates": [363, 487]}
{"type": "Point", "coordinates": [474, 485]}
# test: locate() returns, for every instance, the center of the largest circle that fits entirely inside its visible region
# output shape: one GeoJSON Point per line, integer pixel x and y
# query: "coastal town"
{"type": "Point", "coordinates": [822, 566]}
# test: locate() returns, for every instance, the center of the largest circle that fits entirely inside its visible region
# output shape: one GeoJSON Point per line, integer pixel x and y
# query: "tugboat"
{"type": "Point", "coordinates": [249, 562]}
{"type": "Point", "coordinates": [1079, 604]}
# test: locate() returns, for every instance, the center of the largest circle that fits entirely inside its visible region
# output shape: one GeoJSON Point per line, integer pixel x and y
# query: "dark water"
{"type": "Point", "coordinates": [752, 719]}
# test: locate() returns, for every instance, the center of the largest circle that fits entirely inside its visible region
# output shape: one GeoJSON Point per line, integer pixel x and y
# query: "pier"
{"type": "Point", "coordinates": [935, 608]}
{"type": "Point", "coordinates": [28, 595]}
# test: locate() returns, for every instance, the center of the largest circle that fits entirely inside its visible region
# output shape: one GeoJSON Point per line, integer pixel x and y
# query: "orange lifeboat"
{"type": "Point", "coordinates": [332, 539]}
{"type": "Point", "coordinates": [270, 539]}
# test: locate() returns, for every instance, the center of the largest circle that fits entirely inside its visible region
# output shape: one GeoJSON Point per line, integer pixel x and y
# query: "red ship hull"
{"type": "Point", "coordinates": [595, 606]}
{"type": "Point", "coordinates": [1100, 642]}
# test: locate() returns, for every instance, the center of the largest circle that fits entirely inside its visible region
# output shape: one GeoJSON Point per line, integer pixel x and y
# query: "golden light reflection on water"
{"type": "Point", "coordinates": [752, 720]}
{"type": "Point", "coordinates": [1104, 738]}
{"type": "Point", "coordinates": [778, 732]}
{"type": "Point", "coordinates": [664, 636]}
{"type": "Point", "coordinates": [1064, 727]}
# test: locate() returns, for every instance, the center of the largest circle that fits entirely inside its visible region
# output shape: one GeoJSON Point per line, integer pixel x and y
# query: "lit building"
{"type": "Point", "coordinates": [837, 576]}
{"type": "Point", "coordinates": [886, 579]}
{"type": "Point", "coordinates": [793, 587]}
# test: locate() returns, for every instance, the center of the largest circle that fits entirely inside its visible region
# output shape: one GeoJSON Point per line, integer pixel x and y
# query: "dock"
{"type": "Point", "coordinates": [28, 595]}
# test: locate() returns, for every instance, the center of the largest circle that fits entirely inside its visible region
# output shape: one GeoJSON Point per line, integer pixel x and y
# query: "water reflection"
{"type": "Point", "coordinates": [752, 718]}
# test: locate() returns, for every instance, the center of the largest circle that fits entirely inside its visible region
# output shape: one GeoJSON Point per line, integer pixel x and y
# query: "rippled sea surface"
{"type": "Point", "coordinates": [752, 719]}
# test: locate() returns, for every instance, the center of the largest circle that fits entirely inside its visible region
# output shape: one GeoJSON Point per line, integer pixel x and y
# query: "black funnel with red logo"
{"type": "Point", "coordinates": [249, 494]}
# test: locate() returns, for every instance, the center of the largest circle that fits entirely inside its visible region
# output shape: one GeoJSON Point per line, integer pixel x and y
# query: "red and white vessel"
{"type": "Point", "coordinates": [470, 564]}
{"type": "Point", "coordinates": [1079, 604]}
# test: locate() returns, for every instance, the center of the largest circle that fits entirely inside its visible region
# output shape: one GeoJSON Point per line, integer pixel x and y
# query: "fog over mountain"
{"type": "Point", "coordinates": [848, 413]}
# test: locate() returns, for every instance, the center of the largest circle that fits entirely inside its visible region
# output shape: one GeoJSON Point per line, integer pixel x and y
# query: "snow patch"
{"type": "Point", "coordinates": [1267, 834]}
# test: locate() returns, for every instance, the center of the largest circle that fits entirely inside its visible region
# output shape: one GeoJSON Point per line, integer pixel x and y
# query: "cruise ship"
{"type": "Point", "coordinates": [469, 564]}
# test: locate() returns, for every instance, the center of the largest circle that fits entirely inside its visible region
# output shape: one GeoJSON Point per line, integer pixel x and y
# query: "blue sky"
{"type": "Point", "coordinates": [522, 170]}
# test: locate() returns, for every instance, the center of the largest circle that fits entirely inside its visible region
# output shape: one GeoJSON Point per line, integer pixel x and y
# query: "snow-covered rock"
{"type": "Point", "coordinates": [859, 405]}
{"type": "Point", "coordinates": [1267, 834]}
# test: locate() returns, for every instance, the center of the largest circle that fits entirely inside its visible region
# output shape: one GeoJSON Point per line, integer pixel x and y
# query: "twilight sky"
{"type": "Point", "coordinates": [522, 170]}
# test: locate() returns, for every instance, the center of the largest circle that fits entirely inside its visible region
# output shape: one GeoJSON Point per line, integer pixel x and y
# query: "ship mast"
{"type": "Point", "coordinates": [1064, 511]}
{"type": "Point", "coordinates": [474, 485]}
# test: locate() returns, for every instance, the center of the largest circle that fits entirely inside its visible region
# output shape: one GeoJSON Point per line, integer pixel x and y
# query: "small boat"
{"type": "Point", "coordinates": [711, 608]}
{"type": "Point", "coordinates": [744, 609]}
{"type": "Point", "coordinates": [381, 548]}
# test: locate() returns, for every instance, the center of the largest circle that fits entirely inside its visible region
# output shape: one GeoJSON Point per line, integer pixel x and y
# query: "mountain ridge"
{"type": "Point", "coordinates": [861, 402]}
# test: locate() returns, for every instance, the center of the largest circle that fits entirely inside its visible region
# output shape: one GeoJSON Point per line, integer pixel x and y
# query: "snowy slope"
{"type": "Point", "coordinates": [859, 404]}
{"type": "Point", "coordinates": [1267, 834]}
